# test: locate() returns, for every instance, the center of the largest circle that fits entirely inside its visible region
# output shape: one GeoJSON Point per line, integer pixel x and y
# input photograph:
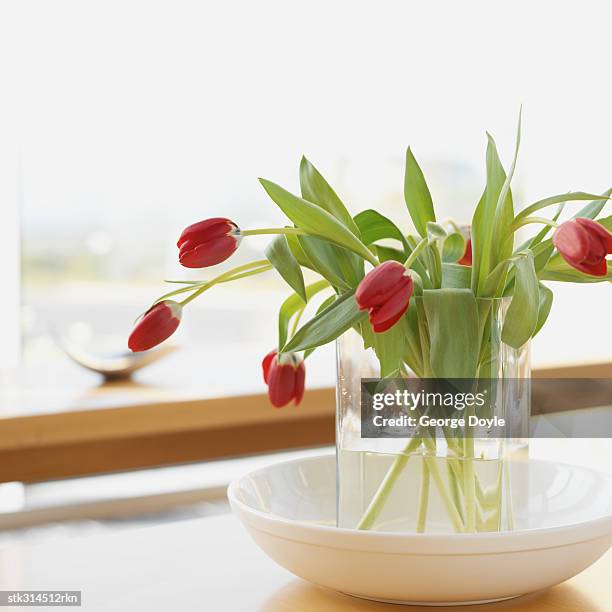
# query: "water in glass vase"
{"type": "Point", "coordinates": [422, 493]}
{"type": "Point", "coordinates": [433, 480]}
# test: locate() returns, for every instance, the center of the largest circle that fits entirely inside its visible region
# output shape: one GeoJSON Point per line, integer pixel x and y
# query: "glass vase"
{"type": "Point", "coordinates": [434, 483]}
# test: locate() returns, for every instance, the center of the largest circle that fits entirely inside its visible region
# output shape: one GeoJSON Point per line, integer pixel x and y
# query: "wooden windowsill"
{"type": "Point", "coordinates": [115, 431]}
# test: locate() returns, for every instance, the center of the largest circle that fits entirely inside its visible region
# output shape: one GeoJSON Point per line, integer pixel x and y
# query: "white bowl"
{"type": "Point", "coordinates": [289, 509]}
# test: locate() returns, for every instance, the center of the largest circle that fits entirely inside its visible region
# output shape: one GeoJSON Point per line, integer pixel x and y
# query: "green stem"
{"type": "Point", "coordinates": [274, 230]}
{"type": "Point", "coordinates": [469, 485]}
{"type": "Point", "coordinates": [452, 510]}
{"type": "Point", "coordinates": [507, 485]}
{"type": "Point", "coordinates": [296, 321]}
{"type": "Point", "coordinates": [454, 478]}
{"type": "Point", "coordinates": [416, 252]}
{"type": "Point", "coordinates": [386, 486]}
{"type": "Point", "coordinates": [232, 274]}
{"type": "Point", "coordinates": [566, 197]}
{"type": "Point", "coordinates": [365, 253]}
{"type": "Point", "coordinates": [248, 273]}
{"type": "Point", "coordinates": [527, 220]}
{"type": "Point", "coordinates": [457, 484]}
{"type": "Point", "coordinates": [193, 285]}
{"type": "Point", "coordinates": [520, 222]}
{"type": "Point", "coordinates": [423, 497]}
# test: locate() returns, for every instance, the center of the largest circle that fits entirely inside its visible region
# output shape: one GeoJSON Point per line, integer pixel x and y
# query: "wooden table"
{"type": "Point", "coordinates": [211, 565]}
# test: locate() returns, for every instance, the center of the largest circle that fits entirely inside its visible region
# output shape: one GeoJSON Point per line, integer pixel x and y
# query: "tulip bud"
{"type": "Point", "coordinates": [385, 293]}
{"type": "Point", "coordinates": [584, 244]}
{"type": "Point", "coordinates": [285, 377]}
{"type": "Point", "coordinates": [155, 326]}
{"type": "Point", "coordinates": [208, 242]}
{"type": "Point", "coordinates": [466, 258]}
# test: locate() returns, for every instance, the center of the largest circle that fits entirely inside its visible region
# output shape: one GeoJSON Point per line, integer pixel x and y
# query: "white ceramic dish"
{"type": "Point", "coordinates": [289, 510]}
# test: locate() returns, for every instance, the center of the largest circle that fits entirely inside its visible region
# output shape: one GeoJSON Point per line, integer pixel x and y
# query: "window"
{"type": "Point", "coordinates": [133, 120]}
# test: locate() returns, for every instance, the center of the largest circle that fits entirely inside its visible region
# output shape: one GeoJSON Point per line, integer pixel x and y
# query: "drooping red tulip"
{"type": "Point", "coordinates": [584, 244]}
{"type": "Point", "coordinates": [466, 258]}
{"type": "Point", "coordinates": [208, 242]}
{"type": "Point", "coordinates": [385, 293]}
{"type": "Point", "coordinates": [285, 376]}
{"type": "Point", "coordinates": [155, 326]}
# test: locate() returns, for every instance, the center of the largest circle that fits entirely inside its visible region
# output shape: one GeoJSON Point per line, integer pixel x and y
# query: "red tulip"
{"type": "Point", "coordinates": [584, 244]}
{"type": "Point", "coordinates": [208, 242]}
{"type": "Point", "coordinates": [285, 377]}
{"type": "Point", "coordinates": [385, 293]}
{"type": "Point", "coordinates": [155, 326]}
{"type": "Point", "coordinates": [466, 258]}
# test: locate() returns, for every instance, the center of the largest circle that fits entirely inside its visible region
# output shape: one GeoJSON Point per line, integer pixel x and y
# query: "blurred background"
{"type": "Point", "coordinates": [123, 122]}
{"type": "Point", "coordinates": [129, 120]}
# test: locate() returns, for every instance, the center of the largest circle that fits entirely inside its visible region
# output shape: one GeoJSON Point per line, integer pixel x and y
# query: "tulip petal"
{"type": "Point", "coordinates": [266, 363]}
{"type": "Point", "coordinates": [597, 249]}
{"type": "Point", "coordinates": [380, 284]}
{"type": "Point", "coordinates": [281, 384]}
{"type": "Point", "coordinates": [584, 244]}
{"type": "Point", "coordinates": [208, 229]}
{"type": "Point", "coordinates": [598, 230]}
{"type": "Point", "coordinates": [599, 268]}
{"type": "Point", "coordinates": [155, 326]}
{"type": "Point", "coordinates": [572, 241]}
{"type": "Point", "coordinates": [300, 378]}
{"type": "Point", "coordinates": [208, 253]}
{"type": "Point", "coordinates": [466, 259]}
{"type": "Point", "coordinates": [387, 315]}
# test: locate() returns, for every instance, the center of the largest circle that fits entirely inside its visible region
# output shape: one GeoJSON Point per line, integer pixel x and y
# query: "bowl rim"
{"type": "Point", "coordinates": [420, 543]}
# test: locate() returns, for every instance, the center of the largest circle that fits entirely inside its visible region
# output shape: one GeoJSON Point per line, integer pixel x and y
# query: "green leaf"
{"type": "Point", "coordinates": [417, 196]}
{"type": "Point", "coordinates": [280, 256]}
{"type": "Point", "coordinates": [522, 315]}
{"type": "Point", "coordinates": [317, 190]}
{"type": "Point", "coordinates": [541, 254]}
{"type": "Point", "coordinates": [433, 263]}
{"type": "Point", "coordinates": [557, 199]}
{"type": "Point", "coordinates": [453, 248]}
{"type": "Point", "coordinates": [374, 226]}
{"type": "Point", "coordinates": [315, 220]}
{"type": "Point", "coordinates": [387, 253]}
{"type": "Point", "coordinates": [328, 325]}
{"type": "Point", "coordinates": [497, 280]}
{"type": "Point", "coordinates": [545, 304]}
{"type": "Point", "coordinates": [557, 269]}
{"type": "Point", "coordinates": [452, 318]}
{"type": "Point", "coordinates": [390, 347]}
{"type": "Point", "coordinates": [484, 219]}
{"type": "Point", "coordinates": [456, 276]}
{"type": "Point", "coordinates": [292, 305]}
{"type": "Point", "coordinates": [573, 276]}
{"type": "Point", "coordinates": [298, 252]}
{"type": "Point", "coordinates": [531, 243]}
{"type": "Point", "coordinates": [328, 301]}
{"type": "Point", "coordinates": [481, 224]}
{"type": "Point", "coordinates": [330, 261]}
{"type": "Point", "coordinates": [422, 260]}
{"type": "Point", "coordinates": [435, 231]}
{"type": "Point", "coordinates": [413, 353]}
{"type": "Point", "coordinates": [592, 209]}
{"type": "Point", "coordinates": [365, 330]}
{"type": "Point", "coordinates": [417, 281]}
{"type": "Point", "coordinates": [504, 210]}
{"type": "Point", "coordinates": [606, 222]}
